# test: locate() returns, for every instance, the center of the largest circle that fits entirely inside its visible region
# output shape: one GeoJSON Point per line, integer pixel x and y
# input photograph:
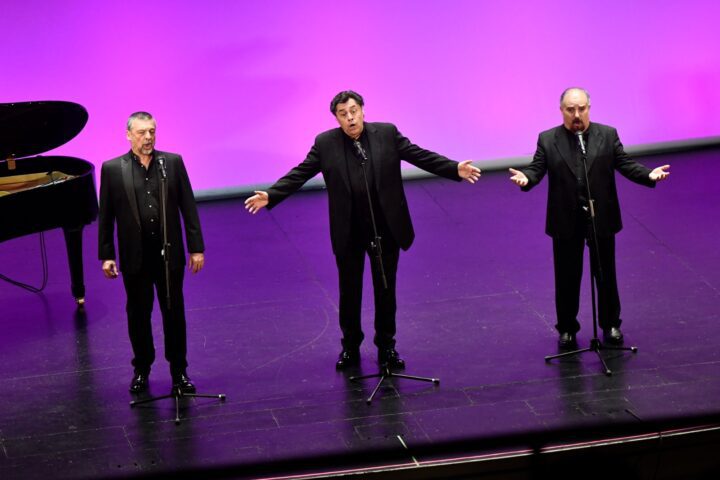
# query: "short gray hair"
{"type": "Point", "coordinates": [138, 116]}
{"type": "Point", "coordinates": [562, 96]}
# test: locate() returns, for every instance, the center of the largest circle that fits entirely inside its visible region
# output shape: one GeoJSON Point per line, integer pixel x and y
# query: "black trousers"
{"type": "Point", "coordinates": [140, 288]}
{"type": "Point", "coordinates": [351, 266]}
{"type": "Point", "coordinates": [568, 262]}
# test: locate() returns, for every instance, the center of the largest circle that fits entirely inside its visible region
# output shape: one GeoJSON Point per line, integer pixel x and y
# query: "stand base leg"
{"type": "Point", "coordinates": [595, 346]}
{"type": "Point", "coordinates": [386, 373]}
{"type": "Point", "coordinates": [177, 394]}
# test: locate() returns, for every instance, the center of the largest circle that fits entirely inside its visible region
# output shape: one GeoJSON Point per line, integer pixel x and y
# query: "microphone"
{"type": "Point", "coordinates": [579, 135]}
{"type": "Point", "coordinates": [360, 150]}
{"type": "Point", "coordinates": [161, 164]}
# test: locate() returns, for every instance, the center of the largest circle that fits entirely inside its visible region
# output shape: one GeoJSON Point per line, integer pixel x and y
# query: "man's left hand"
{"type": "Point", "coordinates": [660, 173]}
{"type": "Point", "coordinates": [467, 171]}
{"type": "Point", "coordinates": [196, 263]}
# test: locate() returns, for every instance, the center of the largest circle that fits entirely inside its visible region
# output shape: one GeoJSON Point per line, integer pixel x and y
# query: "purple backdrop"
{"type": "Point", "coordinates": [241, 88]}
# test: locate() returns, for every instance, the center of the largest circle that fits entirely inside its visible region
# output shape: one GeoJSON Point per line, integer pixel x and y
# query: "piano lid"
{"type": "Point", "coordinates": [30, 128]}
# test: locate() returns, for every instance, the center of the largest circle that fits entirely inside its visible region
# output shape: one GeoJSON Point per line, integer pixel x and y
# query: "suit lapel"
{"type": "Point", "coordinates": [375, 153]}
{"type": "Point", "coordinates": [564, 148]}
{"type": "Point", "coordinates": [127, 178]}
{"type": "Point", "coordinates": [595, 141]}
{"type": "Point", "coordinates": [339, 147]}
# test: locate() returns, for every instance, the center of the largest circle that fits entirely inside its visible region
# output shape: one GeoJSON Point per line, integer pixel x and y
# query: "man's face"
{"type": "Point", "coordinates": [350, 116]}
{"type": "Point", "coordinates": [142, 136]}
{"type": "Point", "coordinates": [575, 110]}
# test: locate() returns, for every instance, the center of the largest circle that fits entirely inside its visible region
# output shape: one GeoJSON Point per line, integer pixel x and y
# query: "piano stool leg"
{"type": "Point", "coordinates": [73, 243]}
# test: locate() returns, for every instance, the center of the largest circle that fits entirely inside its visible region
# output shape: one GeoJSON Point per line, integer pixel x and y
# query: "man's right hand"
{"type": "Point", "coordinates": [257, 201]}
{"type": "Point", "coordinates": [109, 268]}
{"type": "Point", "coordinates": [518, 178]}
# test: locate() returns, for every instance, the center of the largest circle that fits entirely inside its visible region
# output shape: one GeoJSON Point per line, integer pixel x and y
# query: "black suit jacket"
{"type": "Point", "coordinates": [555, 155]}
{"type": "Point", "coordinates": [119, 205]}
{"type": "Point", "coordinates": [387, 148]}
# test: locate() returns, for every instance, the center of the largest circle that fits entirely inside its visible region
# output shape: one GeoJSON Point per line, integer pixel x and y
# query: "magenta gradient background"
{"type": "Point", "coordinates": [241, 88]}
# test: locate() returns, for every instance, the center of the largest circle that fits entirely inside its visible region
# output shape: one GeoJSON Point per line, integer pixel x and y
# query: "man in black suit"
{"type": "Point", "coordinates": [130, 189]}
{"type": "Point", "coordinates": [568, 220]}
{"type": "Point", "coordinates": [346, 157]}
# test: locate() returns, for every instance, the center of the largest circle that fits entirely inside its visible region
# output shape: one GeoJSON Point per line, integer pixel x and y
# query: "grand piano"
{"type": "Point", "coordinates": [39, 193]}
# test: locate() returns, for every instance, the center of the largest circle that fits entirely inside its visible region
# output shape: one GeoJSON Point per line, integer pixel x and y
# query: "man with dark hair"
{"type": "Point", "coordinates": [346, 157]}
{"type": "Point", "coordinates": [130, 196]}
{"type": "Point", "coordinates": [343, 97]}
{"type": "Point", "coordinates": [568, 219]}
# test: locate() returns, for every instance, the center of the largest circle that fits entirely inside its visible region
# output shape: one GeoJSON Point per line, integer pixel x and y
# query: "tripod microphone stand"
{"type": "Point", "coordinates": [384, 373]}
{"type": "Point", "coordinates": [596, 275]}
{"type": "Point", "coordinates": [376, 249]}
{"type": "Point", "coordinates": [176, 392]}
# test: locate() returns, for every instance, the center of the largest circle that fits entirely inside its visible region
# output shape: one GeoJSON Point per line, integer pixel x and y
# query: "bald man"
{"type": "Point", "coordinates": [568, 212]}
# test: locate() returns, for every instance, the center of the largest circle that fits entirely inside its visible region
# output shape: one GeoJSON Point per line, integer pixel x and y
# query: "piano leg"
{"type": "Point", "coordinates": [73, 242]}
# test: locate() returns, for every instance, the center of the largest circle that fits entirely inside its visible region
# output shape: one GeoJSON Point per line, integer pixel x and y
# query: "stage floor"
{"type": "Point", "coordinates": [475, 308]}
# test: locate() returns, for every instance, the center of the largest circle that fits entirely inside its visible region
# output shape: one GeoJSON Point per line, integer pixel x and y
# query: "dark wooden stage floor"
{"type": "Point", "coordinates": [475, 296]}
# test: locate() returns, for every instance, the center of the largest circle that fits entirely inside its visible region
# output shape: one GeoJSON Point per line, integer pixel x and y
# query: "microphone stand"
{"type": "Point", "coordinates": [176, 393]}
{"type": "Point", "coordinates": [596, 275]}
{"type": "Point", "coordinates": [375, 247]}
{"type": "Point", "coordinates": [163, 224]}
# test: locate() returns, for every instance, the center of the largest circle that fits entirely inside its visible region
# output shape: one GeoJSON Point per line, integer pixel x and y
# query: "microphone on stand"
{"type": "Point", "coordinates": [579, 135]}
{"type": "Point", "coordinates": [161, 164]}
{"type": "Point", "coordinates": [360, 150]}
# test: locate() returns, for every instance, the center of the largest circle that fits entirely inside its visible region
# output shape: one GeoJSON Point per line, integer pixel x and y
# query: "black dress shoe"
{"type": "Point", "coordinates": [613, 335]}
{"type": "Point", "coordinates": [183, 383]}
{"type": "Point", "coordinates": [348, 358]}
{"type": "Point", "coordinates": [139, 383]}
{"type": "Point", "coordinates": [567, 340]}
{"type": "Point", "coordinates": [391, 358]}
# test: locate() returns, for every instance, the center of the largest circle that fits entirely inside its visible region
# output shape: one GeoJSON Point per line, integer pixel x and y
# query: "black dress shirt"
{"type": "Point", "coordinates": [146, 182]}
{"type": "Point", "coordinates": [361, 219]}
{"type": "Point", "coordinates": [581, 185]}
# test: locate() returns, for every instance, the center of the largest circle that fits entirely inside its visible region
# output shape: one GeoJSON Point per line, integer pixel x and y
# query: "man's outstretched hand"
{"type": "Point", "coordinates": [257, 201]}
{"type": "Point", "coordinates": [660, 173]}
{"type": "Point", "coordinates": [518, 178]}
{"type": "Point", "coordinates": [468, 172]}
